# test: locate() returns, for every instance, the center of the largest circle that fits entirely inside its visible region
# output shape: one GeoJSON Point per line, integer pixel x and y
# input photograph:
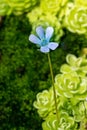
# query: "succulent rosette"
{"type": "Point", "coordinates": [45, 19]}
{"type": "Point", "coordinates": [16, 7]}
{"type": "Point", "coordinates": [83, 124]}
{"type": "Point", "coordinates": [76, 19]}
{"type": "Point", "coordinates": [74, 64]}
{"type": "Point", "coordinates": [64, 8]}
{"type": "Point", "coordinates": [80, 111]}
{"type": "Point", "coordinates": [35, 15]}
{"type": "Point", "coordinates": [81, 2]}
{"type": "Point", "coordinates": [50, 123]}
{"type": "Point", "coordinates": [66, 122]}
{"type": "Point", "coordinates": [71, 86]}
{"type": "Point", "coordinates": [71, 95]}
{"type": "Point", "coordinates": [50, 15]}
{"type": "Point", "coordinates": [54, 6]}
{"type": "Point", "coordinates": [4, 8]}
{"type": "Point", "coordinates": [44, 102]}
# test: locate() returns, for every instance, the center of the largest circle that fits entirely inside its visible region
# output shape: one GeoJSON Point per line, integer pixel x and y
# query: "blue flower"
{"type": "Point", "coordinates": [43, 39]}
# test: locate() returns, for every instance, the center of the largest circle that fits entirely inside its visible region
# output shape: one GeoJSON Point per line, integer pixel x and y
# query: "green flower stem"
{"type": "Point", "coordinates": [54, 91]}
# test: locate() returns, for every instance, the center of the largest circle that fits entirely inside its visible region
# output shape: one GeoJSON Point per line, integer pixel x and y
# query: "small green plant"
{"type": "Point", "coordinates": [76, 19]}
{"type": "Point", "coordinates": [8, 7]}
{"type": "Point", "coordinates": [64, 105]}
{"type": "Point", "coordinates": [71, 95]}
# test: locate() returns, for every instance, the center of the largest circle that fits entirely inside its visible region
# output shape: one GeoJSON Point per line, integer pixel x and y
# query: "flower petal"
{"type": "Point", "coordinates": [44, 49]}
{"type": "Point", "coordinates": [40, 32]}
{"type": "Point", "coordinates": [49, 33]}
{"type": "Point", "coordinates": [53, 45]}
{"type": "Point", "coordinates": [34, 39]}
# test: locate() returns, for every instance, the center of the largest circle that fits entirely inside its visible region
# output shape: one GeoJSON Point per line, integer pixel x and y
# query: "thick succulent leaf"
{"type": "Point", "coordinates": [76, 19]}
{"type": "Point", "coordinates": [71, 59]}
{"type": "Point", "coordinates": [44, 102]}
{"type": "Point", "coordinates": [65, 68]}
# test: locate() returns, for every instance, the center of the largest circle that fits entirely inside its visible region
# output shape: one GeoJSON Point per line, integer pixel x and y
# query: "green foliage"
{"type": "Point", "coordinates": [81, 2]}
{"type": "Point", "coordinates": [16, 7]}
{"type": "Point", "coordinates": [65, 123]}
{"type": "Point", "coordinates": [45, 20]}
{"type": "Point", "coordinates": [66, 14]}
{"type": "Point", "coordinates": [49, 15]}
{"type": "Point", "coordinates": [45, 103]}
{"type": "Point", "coordinates": [24, 71]}
{"type": "Point", "coordinates": [69, 14]}
{"type": "Point", "coordinates": [76, 19]}
{"type": "Point", "coordinates": [71, 94]}
{"type": "Point", "coordinates": [53, 6]}
{"type": "Point", "coordinates": [17, 73]}
{"type": "Point", "coordinates": [77, 65]}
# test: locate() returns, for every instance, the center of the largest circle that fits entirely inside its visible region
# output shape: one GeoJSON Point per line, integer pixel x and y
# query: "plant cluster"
{"type": "Point", "coordinates": [20, 62]}
{"type": "Point", "coordinates": [17, 7]}
{"type": "Point", "coordinates": [68, 14]}
{"type": "Point", "coordinates": [76, 18]}
{"type": "Point", "coordinates": [71, 91]}
{"type": "Point", "coordinates": [65, 14]}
